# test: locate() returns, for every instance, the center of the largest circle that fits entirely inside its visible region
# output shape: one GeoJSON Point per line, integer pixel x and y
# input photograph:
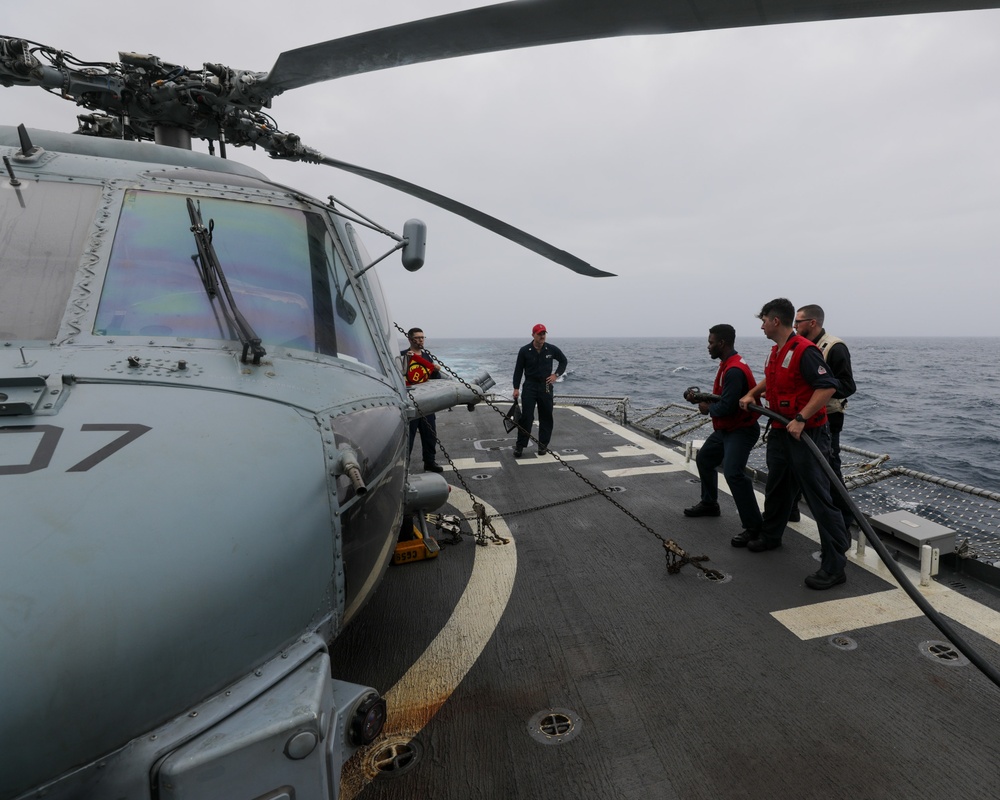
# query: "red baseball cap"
{"type": "Point", "coordinates": [539, 328]}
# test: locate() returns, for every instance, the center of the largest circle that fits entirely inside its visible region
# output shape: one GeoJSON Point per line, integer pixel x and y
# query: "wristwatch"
{"type": "Point", "coordinates": [800, 418]}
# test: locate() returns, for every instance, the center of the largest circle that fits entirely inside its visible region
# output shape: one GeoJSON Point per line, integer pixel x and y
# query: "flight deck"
{"type": "Point", "coordinates": [562, 659]}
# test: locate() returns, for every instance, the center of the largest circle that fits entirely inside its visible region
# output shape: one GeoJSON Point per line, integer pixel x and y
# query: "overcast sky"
{"type": "Point", "coordinates": [851, 164]}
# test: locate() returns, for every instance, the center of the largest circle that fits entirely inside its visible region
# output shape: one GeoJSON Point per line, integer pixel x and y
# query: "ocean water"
{"type": "Point", "coordinates": [932, 404]}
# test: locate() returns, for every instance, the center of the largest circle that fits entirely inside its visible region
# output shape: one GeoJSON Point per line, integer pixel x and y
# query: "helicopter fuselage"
{"type": "Point", "coordinates": [184, 530]}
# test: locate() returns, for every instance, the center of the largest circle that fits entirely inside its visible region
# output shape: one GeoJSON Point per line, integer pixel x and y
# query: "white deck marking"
{"type": "Point", "coordinates": [658, 449]}
{"type": "Point", "coordinates": [962, 609]}
{"type": "Point", "coordinates": [852, 613]}
{"type": "Point", "coordinates": [431, 679]}
{"type": "Point", "coordinates": [890, 606]}
{"type": "Point", "coordinates": [627, 450]}
{"type": "Point", "coordinates": [646, 447]}
{"type": "Point", "coordinates": [653, 469]}
{"type": "Point", "coordinates": [547, 459]}
{"type": "Point", "coordinates": [472, 463]}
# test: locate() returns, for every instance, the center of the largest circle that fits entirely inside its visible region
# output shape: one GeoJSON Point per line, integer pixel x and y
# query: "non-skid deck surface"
{"type": "Point", "coordinates": [671, 686]}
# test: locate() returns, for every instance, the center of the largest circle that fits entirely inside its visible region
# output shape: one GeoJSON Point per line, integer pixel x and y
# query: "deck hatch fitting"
{"type": "Point", "coordinates": [615, 489]}
{"type": "Point", "coordinates": [482, 476]}
{"type": "Point", "coordinates": [842, 642]}
{"type": "Point", "coordinates": [395, 757]}
{"type": "Point", "coordinates": [714, 576]}
{"type": "Point", "coordinates": [554, 726]}
{"type": "Point", "coordinates": [943, 653]}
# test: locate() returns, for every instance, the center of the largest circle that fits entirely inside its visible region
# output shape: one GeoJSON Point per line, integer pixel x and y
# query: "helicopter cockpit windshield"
{"type": "Point", "coordinates": [283, 266]}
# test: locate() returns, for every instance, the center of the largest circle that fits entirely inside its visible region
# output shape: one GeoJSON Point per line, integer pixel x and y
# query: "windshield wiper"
{"type": "Point", "coordinates": [213, 277]}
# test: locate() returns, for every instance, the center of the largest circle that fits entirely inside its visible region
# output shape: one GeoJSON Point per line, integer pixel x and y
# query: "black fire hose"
{"type": "Point", "coordinates": [692, 395]}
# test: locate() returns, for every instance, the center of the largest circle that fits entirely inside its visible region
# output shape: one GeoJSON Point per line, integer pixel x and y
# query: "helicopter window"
{"type": "Point", "coordinates": [364, 259]}
{"type": "Point", "coordinates": [353, 337]}
{"type": "Point", "coordinates": [43, 232]}
{"type": "Point", "coordinates": [280, 265]}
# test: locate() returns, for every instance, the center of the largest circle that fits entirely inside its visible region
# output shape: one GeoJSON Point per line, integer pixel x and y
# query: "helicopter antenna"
{"type": "Point", "coordinates": [27, 148]}
{"type": "Point", "coordinates": [10, 171]}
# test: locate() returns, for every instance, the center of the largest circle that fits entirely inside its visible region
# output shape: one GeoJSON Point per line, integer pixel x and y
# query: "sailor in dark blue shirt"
{"type": "Point", "coordinates": [534, 364]}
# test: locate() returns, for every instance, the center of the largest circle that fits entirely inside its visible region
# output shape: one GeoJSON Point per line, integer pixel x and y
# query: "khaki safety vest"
{"type": "Point", "coordinates": [824, 343]}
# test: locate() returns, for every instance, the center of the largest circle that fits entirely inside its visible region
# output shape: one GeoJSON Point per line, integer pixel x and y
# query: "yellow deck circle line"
{"type": "Point", "coordinates": [428, 683]}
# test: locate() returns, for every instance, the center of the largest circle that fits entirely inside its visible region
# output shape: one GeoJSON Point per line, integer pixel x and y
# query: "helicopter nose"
{"type": "Point", "coordinates": [158, 543]}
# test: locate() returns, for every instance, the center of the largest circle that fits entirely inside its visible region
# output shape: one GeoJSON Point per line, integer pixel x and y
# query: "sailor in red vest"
{"type": "Point", "coordinates": [735, 433]}
{"type": "Point", "coordinates": [420, 367]}
{"type": "Point", "coordinates": [798, 385]}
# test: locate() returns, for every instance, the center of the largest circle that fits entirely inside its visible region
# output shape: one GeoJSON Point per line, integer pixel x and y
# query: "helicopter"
{"type": "Point", "coordinates": [204, 464]}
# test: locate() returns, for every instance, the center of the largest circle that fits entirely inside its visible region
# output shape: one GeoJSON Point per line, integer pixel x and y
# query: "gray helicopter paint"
{"type": "Point", "coordinates": [432, 396]}
{"type": "Point", "coordinates": [180, 519]}
{"type": "Point", "coordinates": [171, 563]}
{"type": "Point", "coordinates": [126, 771]}
{"type": "Point", "coordinates": [252, 448]}
{"type": "Point", "coordinates": [95, 152]}
{"type": "Point", "coordinates": [170, 513]}
{"type": "Point", "coordinates": [131, 566]}
{"type": "Point", "coordinates": [300, 720]}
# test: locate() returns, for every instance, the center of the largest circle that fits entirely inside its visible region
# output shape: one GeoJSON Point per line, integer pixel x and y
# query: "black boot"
{"type": "Point", "coordinates": [703, 509]}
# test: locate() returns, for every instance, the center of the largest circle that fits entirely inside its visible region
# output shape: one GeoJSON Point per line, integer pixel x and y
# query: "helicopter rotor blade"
{"type": "Point", "coordinates": [493, 224]}
{"type": "Point", "coordinates": [529, 23]}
